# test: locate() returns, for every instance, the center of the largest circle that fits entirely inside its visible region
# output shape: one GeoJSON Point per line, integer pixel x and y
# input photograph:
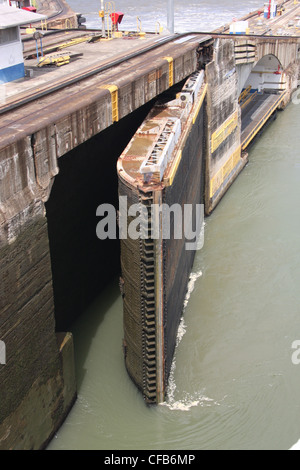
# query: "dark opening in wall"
{"type": "Point", "coordinates": [83, 265]}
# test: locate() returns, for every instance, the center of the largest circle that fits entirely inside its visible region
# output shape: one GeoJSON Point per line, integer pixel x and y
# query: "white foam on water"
{"type": "Point", "coordinates": [191, 286]}
{"type": "Point", "coordinates": [296, 446]}
{"type": "Point", "coordinates": [186, 403]}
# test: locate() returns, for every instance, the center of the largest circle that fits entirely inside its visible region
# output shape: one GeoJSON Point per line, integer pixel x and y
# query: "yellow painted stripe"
{"type": "Point", "coordinates": [247, 101]}
{"type": "Point", "coordinates": [217, 181]}
{"type": "Point", "coordinates": [72, 42]}
{"type": "Point", "coordinates": [245, 93]}
{"type": "Point", "coordinates": [200, 103]}
{"type": "Point", "coordinates": [224, 131]}
{"type": "Point", "coordinates": [171, 70]}
{"type": "Point", "coordinates": [174, 168]}
{"type": "Point", "coordinates": [178, 157]}
{"type": "Point", "coordinates": [114, 91]}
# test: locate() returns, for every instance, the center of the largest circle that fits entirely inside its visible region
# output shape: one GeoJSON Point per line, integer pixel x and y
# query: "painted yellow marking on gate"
{"type": "Point", "coordinates": [224, 131]}
{"type": "Point", "coordinates": [220, 177]}
{"type": "Point", "coordinates": [175, 166]}
{"type": "Point", "coordinates": [200, 103]}
{"type": "Point", "coordinates": [169, 181]}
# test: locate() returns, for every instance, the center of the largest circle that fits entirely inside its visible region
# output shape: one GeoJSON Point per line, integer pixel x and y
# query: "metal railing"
{"type": "Point", "coordinates": [246, 141]}
{"type": "Point", "coordinates": [156, 163]}
{"type": "Point", "coordinates": [109, 11]}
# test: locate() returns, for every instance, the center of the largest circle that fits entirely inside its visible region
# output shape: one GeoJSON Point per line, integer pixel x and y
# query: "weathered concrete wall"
{"type": "Point", "coordinates": [226, 75]}
{"type": "Point", "coordinates": [38, 380]}
{"type": "Point", "coordinates": [286, 50]}
{"type": "Point", "coordinates": [249, 53]}
{"type": "Point", "coordinates": [223, 160]}
{"type": "Point", "coordinates": [36, 391]}
{"type": "Point", "coordinates": [34, 397]}
{"type": "Point", "coordinates": [290, 78]}
{"type": "Point", "coordinates": [288, 53]}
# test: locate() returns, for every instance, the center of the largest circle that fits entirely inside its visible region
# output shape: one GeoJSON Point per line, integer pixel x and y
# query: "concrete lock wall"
{"type": "Point", "coordinates": [223, 159]}
{"type": "Point", "coordinates": [287, 53]}
{"type": "Point", "coordinates": [37, 381]}
{"type": "Point", "coordinates": [265, 64]}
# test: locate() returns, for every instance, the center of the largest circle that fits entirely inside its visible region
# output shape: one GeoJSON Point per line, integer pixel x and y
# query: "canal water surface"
{"type": "Point", "coordinates": [234, 384]}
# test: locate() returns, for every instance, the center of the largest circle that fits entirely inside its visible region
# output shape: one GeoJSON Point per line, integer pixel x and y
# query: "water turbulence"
{"type": "Point", "coordinates": [186, 403]}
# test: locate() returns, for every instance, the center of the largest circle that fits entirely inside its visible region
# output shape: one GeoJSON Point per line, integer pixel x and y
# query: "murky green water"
{"type": "Point", "coordinates": [234, 385]}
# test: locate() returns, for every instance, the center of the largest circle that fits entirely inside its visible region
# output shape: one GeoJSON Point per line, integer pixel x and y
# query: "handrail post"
{"type": "Point", "coordinates": [171, 16]}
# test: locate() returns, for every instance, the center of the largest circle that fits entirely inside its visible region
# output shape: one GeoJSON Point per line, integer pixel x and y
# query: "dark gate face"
{"type": "Point", "coordinates": [187, 188]}
{"type": "Point", "coordinates": [140, 271]}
